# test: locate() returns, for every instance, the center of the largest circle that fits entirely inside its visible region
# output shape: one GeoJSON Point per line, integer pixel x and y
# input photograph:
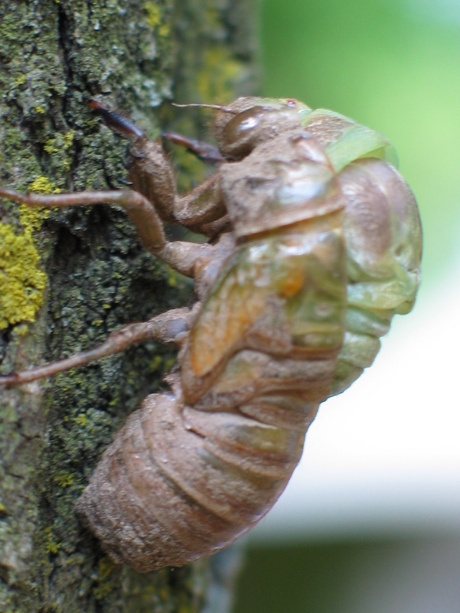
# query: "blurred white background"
{"type": "Point", "coordinates": [384, 457]}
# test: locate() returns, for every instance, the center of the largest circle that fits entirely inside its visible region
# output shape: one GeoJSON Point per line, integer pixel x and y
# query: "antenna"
{"type": "Point", "coordinates": [214, 107]}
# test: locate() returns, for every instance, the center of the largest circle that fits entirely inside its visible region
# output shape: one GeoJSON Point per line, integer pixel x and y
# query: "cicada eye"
{"type": "Point", "coordinates": [255, 125]}
{"type": "Point", "coordinates": [238, 133]}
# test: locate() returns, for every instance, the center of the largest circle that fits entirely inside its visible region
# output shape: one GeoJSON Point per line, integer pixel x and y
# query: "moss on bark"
{"type": "Point", "coordinates": [55, 56]}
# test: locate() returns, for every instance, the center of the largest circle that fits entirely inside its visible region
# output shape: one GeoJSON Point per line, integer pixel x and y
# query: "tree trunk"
{"type": "Point", "coordinates": [68, 278]}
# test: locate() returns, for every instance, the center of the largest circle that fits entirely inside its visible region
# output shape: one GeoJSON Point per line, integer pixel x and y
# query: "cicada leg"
{"type": "Point", "coordinates": [180, 255]}
{"type": "Point", "coordinates": [151, 174]}
{"type": "Point", "coordinates": [202, 210]}
{"type": "Point", "coordinates": [169, 327]}
{"type": "Point", "coordinates": [202, 150]}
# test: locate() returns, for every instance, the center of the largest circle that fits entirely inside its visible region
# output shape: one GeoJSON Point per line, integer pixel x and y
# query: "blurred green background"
{"type": "Point", "coordinates": [394, 66]}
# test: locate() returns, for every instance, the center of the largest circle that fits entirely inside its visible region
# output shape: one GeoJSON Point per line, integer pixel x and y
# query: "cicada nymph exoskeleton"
{"type": "Point", "coordinates": [316, 244]}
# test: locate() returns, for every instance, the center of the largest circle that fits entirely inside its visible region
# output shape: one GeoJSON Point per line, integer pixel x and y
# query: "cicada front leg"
{"type": "Point", "coordinates": [202, 150]}
{"type": "Point", "coordinates": [182, 256]}
{"type": "Point", "coordinates": [151, 174]}
{"type": "Point", "coordinates": [203, 209]}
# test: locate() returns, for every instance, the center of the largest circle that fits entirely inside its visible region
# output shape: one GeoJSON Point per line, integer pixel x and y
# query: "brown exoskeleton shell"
{"type": "Point", "coordinates": [316, 245]}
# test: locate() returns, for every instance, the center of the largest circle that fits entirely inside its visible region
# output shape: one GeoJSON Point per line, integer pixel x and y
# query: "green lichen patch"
{"type": "Point", "coordinates": [153, 14]}
{"type": "Point", "coordinates": [105, 579]}
{"type": "Point", "coordinates": [155, 19]}
{"type": "Point", "coordinates": [60, 147]}
{"type": "Point", "coordinates": [52, 544]}
{"type": "Point", "coordinates": [216, 81]}
{"type": "Point", "coordinates": [63, 480]}
{"type": "Point", "coordinates": [81, 420]}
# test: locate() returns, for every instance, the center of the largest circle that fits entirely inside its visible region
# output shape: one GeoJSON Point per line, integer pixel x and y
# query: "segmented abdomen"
{"type": "Point", "coordinates": [178, 484]}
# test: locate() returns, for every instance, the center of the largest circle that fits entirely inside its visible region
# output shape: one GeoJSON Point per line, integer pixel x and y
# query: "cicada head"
{"type": "Point", "coordinates": [250, 121]}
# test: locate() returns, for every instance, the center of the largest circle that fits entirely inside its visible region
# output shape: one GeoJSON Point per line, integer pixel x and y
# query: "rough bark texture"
{"type": "Point", "coordinates": [54, 56]}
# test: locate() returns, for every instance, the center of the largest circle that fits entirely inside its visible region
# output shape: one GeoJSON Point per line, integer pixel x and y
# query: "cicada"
{"type": "Point", "coordinates": [314, 245]}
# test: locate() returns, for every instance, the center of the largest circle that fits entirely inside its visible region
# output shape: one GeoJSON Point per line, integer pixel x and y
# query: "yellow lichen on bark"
{"type": "Point", "coordinates": [22, 282]}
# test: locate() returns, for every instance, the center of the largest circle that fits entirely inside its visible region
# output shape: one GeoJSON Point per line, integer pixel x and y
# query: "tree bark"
{"type": "Point", "coordinates": [55, 55]}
